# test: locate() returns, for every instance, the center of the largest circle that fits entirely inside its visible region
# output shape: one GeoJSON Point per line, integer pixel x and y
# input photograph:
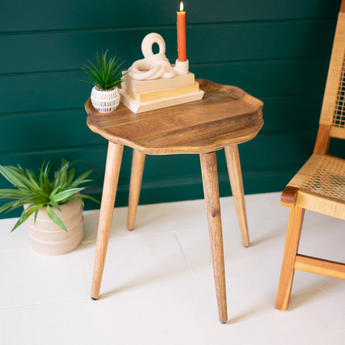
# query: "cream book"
{"type": "Point", "coordinates": [139, 107]}
{"type": "Point", "coordinates": [145, 86]}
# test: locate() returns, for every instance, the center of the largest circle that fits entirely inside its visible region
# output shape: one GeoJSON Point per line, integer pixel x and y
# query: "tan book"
{"type": "Point", "coordinates": [138, 107]}
{"type": "Point", "coordinates": [146, 86]}
{"type": "Point", "coordinates": [162, 94]}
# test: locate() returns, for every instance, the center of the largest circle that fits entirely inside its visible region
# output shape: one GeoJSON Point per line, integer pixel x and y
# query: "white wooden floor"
{"type": "Point", "coordinates": [158, 283]}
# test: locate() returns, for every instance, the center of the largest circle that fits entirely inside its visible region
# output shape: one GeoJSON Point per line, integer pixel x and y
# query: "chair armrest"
{"type": "Point", "coordinates": [289, 196]}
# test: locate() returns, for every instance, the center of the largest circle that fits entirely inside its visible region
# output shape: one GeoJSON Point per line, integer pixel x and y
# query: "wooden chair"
{"type": "Point", "coordinates": [320, 184]}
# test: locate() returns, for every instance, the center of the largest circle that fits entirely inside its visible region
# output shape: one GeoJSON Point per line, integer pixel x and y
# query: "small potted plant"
{"type": "Point", "coordinates": [105, 96]}
{"type": "Point", "coordinates": [53, 210]}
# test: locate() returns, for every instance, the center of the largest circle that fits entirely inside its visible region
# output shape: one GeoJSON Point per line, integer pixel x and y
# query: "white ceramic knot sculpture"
{"type": "Point", "coordinates": [155, 66]}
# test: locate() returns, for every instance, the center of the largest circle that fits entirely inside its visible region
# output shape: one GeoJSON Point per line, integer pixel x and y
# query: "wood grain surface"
{"type": "Point", "coordinates": [211, 191]}
{"type": "Point", "coordinates": [111, 178]}
{"type": "Point", "coordinates": [322, 139]}
{"type": "Point", "coordinates": [236, 181]}
{"type": "Point", "coordinates": [293, 235]}
{"type": "Point", "coordinates": [289, 196]}
{"type": "Point", "coordinates": [137, 171]}
{"type": "Point", "coordinates": [226, 115]}
{"type": "Point", "coordinates": [319, 266]}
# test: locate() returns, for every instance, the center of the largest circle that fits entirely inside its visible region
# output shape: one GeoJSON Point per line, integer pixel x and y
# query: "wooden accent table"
{"type": "Point", "coordinates": [224, 118]}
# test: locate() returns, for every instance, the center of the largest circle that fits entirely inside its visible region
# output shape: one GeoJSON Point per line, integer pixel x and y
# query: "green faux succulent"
{"type": "Point", "coordinates": [36, 191]}
{"type": "Point", "coordinates": [107, 74]}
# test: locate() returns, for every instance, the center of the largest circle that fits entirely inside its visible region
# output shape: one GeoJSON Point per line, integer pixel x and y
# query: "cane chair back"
{"type": "Point", "coordinates": [320, 184]}
{"type": "Point", "coordinates": [332, 119]}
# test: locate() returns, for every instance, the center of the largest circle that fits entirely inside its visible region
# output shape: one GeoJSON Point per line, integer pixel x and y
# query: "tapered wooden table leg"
{"type": "Point", "coordinates": [111, 179]}
{"type": "Point", "coordinates": [211, 192]}
{"type": "Point", "coordinates": [288, 267]}
{"type": "Point", "coordinates": [235, 175]}
{"type": "Point", "coordinates": [138, 161]}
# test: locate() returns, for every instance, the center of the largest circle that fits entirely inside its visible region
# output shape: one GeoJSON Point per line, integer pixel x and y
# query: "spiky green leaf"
{"type": "Point", "coordinates": [106, 74]}
{"type": "Point", "coordinates": [55, 204]}
{"type": "Point", "coordinates": [37, 190]}
{"type": "Point", "coordinates": [65, 194]}
{"type": "Point", "coordinates": [25, 215]}
{"type": "Point", "coordinates": [52, 215]}
{"type": "Point", "coordinates": [88, 197]}
{"type": "Point", "coordinates": [12, 177]}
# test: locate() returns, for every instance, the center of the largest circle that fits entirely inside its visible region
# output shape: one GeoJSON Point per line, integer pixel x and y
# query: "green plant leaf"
{"type": "Point", "coordinates": [16, 225]}
{"type": "Point", "coordinates": [65, 194]}
{"type": "Point", "coordinates": [54, 204]}
{"type": "Point", "coordinates": [33, 180]}
{"type": "Point", "coordinates": [70, 177]}
{"type": "Point", "coordinates": [13, 193]}
{"type": "Point", "coordinates": [54, 191]}
{"type": "Point", "coordinates": [82, 202]}
{"type": "Point", "coordinates": [55, 218]}
{"type": "Point", "coordinates": [25, 215]}
{"type": "Point", "coordinates": [62, 174]}
{"type": "Point", "coordinates": [46, 178]}
{"type": "Point", "coordinates": [12, 177]}
{"type": "Point", "coordinates": [24, 201]}
{"type": "Point", "coordinates": [40, 177]}
{"type": "Point", "coordinates": [88, 197]}
{"type": "Point", "coordinates": [19, 169]}
{"type": "Point", "coordinates": [80, 179]}
{"type": "Point", "coordinates": [6, 206]}
{"type": "Point", "coordinates": [36, 211]}
{"type": "Point", "coordinates": [106, 74]}
{"type": "Point", "coordinates": [36, 189]}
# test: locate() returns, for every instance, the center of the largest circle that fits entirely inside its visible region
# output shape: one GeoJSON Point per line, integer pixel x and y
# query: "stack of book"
{"type": "Point", "coordinates": [145, 95]}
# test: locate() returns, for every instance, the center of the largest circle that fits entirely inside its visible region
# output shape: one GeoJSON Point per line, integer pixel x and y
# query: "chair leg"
{"type": "Point", "coordinates": [211, 191]}
{"type": "Point", "coordinates": [236, 182]}
{"type": "Point", "coordinates": [112, 170]}
{"type": "Point", "coordinates": [137, 170]}
{"type": "Point", "coordinates": [291, 247]}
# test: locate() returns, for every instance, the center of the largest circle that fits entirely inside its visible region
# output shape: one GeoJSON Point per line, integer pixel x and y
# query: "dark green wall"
{"type": "Point", "coordinates": [277, 51]}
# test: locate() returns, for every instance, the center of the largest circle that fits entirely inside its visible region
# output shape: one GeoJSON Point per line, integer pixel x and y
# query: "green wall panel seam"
{"type": "Point", "coordinates": [44, 112]}
{"type": "Point", "coordinates": [195, 65]}
{"type": "Point", "coordinates": [157, 27]}
{"type": "Point", "coordinates": [52, 150]}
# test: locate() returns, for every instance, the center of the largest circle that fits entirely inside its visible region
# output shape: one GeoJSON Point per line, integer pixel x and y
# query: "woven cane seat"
{"type": "Point", "coordinates": [321, 185]}
{"type": "Point", "coordinates": [328, 179]}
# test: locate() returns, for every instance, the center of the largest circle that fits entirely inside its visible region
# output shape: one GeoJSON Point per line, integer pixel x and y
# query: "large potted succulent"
{"type": "Point", "coordinates": [105, 96]}
{"type": "Point", "coordinates": [53, 210]}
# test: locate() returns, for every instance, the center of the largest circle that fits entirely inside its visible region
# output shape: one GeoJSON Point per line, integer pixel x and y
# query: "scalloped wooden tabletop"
{"type": "Point", "coordinates": [226, 115]}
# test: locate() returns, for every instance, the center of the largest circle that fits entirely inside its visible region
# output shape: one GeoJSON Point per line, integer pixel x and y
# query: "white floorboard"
{"type": "Point", "coordinates": [158, 284]}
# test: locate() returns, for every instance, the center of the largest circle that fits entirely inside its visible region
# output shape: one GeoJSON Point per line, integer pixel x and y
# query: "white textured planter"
{"type": "Point", "coordinates": [48, 238]}
{"type": "Point", "coordinates": [105, 101]}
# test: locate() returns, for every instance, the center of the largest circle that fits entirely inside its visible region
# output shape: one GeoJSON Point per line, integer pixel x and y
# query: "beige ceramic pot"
{"type": "Point", "coordinates": [48, 238]}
